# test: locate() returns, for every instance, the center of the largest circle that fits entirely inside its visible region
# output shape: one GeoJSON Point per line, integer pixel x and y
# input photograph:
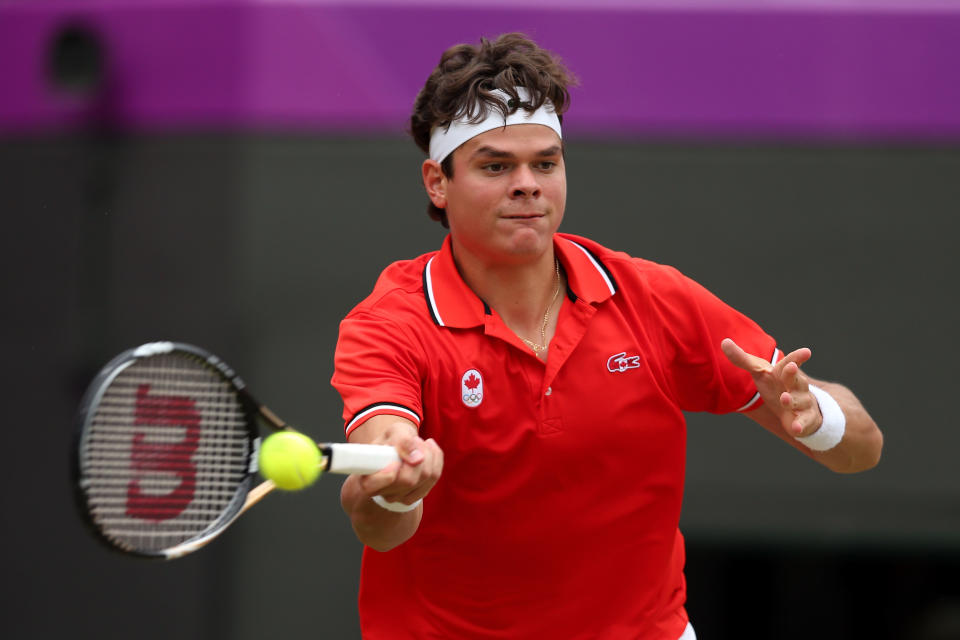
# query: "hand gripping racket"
{"type": "Point", "coordinates": [166, 450]}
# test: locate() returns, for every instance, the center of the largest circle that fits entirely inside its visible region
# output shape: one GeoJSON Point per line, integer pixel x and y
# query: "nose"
{"type": "Point", "coordinates": [525, 183]}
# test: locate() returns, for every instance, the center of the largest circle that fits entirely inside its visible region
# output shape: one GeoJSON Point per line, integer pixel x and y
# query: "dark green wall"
{"type": "Point", "coordinates": [255, 247]}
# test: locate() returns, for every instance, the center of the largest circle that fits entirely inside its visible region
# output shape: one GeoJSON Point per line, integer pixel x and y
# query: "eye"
{"type": "Point", "coordinates": [547, 165]}
{"type": "Point", "coordinates": [494, 167]}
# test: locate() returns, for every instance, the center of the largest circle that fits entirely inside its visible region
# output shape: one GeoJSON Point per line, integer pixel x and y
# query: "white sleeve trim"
{"type": "Point", "coordinates": [385, 407]}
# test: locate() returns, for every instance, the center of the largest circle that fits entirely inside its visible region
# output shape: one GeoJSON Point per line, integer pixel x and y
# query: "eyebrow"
{"type": "Point", "coordinates": [492, 152]}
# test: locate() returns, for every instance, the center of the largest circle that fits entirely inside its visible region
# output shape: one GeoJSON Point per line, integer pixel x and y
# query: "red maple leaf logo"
{"type": "Point", "coordinates": [472, 382]}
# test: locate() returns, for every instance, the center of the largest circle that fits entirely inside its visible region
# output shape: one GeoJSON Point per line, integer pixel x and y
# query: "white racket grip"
{"type": "Point", "coordinates": [364, 459]}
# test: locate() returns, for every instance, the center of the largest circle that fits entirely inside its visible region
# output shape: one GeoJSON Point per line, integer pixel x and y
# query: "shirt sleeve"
{"type": "Point", "coordinates": [696, 322]}
{"type": "Point", "coordinates": [377, 370]}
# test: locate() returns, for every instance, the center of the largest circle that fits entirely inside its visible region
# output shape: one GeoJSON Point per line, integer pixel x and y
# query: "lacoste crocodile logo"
{"type": "Point", "coordinates": [620, 362]}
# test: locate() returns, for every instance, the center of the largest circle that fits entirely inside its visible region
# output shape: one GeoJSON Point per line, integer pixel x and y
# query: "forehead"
{"type": "Point", "coordinates": [516, 139]}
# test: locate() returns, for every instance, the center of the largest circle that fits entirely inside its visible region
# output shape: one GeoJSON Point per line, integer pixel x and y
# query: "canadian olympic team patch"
{"type": "Point", "coordinates": [471, 388]}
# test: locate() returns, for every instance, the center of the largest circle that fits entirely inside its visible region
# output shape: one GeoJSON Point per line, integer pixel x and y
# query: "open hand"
{"type": "Point", "coordinates": [783, 386]}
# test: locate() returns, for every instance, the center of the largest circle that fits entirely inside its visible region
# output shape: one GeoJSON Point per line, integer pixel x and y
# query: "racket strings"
{"type": "Point", "coordinates": [165, 453]}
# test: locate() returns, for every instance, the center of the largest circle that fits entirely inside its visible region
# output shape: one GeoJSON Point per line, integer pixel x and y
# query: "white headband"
{"type": "Point", "coordinates": [443, 140]}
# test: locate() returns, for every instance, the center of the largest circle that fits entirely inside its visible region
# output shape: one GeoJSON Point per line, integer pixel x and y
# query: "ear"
{"type": "Point", "coordinates": [435, 183]}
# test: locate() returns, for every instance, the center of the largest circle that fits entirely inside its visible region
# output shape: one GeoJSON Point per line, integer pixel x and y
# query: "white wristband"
{"type": "Point", "coordinates": [834, 424]}
{"type": "Point", "coordinates": [399, 507]}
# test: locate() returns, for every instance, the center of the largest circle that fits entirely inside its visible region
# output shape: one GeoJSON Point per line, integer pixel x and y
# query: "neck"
{"type": "Point", "coordinates": [520, 293]}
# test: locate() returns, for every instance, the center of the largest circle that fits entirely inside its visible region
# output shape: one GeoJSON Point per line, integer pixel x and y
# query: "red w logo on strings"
{"type": "Point", "coordinates": [173, 457]}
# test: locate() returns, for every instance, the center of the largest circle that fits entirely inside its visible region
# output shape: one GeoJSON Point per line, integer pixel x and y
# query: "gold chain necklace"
{"type": "Point", "coordinates": [537, 348]}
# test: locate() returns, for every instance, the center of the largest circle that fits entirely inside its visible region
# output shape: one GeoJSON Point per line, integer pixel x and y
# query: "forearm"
{"type": "Point", "coordinates": [862, 441]}
{"type": "Point", "coordinates": [375, 526]}
{"type": "Point", "coordinates": [406, 482]}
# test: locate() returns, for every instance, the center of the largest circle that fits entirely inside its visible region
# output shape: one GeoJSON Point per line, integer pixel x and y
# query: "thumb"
{"type": "Point", "coordinates": [411, 450]}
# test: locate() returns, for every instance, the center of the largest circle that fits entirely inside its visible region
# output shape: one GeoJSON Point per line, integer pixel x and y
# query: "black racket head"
{"type": "Point", "coordinates": [165, 449]}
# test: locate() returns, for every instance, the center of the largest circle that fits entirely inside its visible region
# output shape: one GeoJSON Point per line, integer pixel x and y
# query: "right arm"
{"type": "Point", "coordinates": [406, 482]}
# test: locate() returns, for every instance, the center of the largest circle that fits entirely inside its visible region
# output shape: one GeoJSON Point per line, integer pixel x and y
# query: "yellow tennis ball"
{"type": "Point", "coordinates": [290, 459]}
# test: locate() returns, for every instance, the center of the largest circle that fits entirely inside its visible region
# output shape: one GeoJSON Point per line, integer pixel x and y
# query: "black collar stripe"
{"type": "Point", "coordinates": [600, 267]}
{"type": "Point", "coordinates": [434, 309]}
{"type": "Point", "coordinates": [428, 293]}
{"type": "Point", "coordinates": [570, 294]}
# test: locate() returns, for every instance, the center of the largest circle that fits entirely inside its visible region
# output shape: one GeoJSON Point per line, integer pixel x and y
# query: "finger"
{"type": "Point", "coordinates": [414, 483]}
{"type": "Point", "coordinates": [786, 401]}
{"type": "Point", "coordinates": [797, 400]}
{"type": "Point", "coordinates": [742, 359]}
{"type": "Point", "coordinates": [376, 482]}
{"type": "Point", "coordinates": [409, 481]}
{"type": "Point", "coordinates": [434, 467]}
{"type": "Point", "coordinates": [414, 456]}
{"type": "Point", "coordinates": [436, 457]}
{"type": "Point", "coordinates": [414, 494]}
{"type": "Point", "coordinates": [410, 449]}
{"type": "Point", "coordinates": [799, 383]}
{"type": "Point", "coordinates": [790, 418]}
{"type": "Point", "coordinates": [798, 357]}
{"type": "Point", "coordinates": [796, 427]}
{"type": "Point", "coordinates": [807, 422]}
{"type": "Point", "coordinates": [407, 490]}
{"type": "Point", "coordinates": [790, 377]}
{"type": "Point", "coordinates": [802, 414]}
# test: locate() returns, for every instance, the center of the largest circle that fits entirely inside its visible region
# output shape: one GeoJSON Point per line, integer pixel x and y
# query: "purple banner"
{"type": "Point", "coordinates": [653, 70]}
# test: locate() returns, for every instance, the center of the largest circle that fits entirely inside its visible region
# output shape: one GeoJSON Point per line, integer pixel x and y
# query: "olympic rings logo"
{"type": "Point", "coordinates": [471, 388]}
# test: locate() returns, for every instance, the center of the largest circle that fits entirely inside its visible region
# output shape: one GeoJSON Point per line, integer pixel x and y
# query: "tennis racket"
{"type": "Point", "coordinates": [166, 450]}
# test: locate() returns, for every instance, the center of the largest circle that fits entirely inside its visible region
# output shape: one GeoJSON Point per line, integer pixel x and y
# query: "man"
{"type": "Point", "coordinates": [534, 383]}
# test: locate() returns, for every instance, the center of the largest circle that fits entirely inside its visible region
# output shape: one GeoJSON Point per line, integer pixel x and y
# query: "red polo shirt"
{"type": "Point", "coordinates": [557, 512]}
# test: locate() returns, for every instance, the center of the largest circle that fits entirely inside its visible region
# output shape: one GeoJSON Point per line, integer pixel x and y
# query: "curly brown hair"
{"type": "Point", "coordinates": [462, 84]}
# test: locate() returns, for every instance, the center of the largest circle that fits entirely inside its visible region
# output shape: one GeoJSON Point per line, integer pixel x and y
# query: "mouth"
{"type": "Point", "coordinates": [522, 216]}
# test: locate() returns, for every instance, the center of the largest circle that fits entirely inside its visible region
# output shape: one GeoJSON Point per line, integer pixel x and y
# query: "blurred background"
{"type": "Point", "coordinates": [235, 174]}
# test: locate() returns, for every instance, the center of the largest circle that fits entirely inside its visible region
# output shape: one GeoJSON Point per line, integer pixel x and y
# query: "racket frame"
{"type": "Point", "coordinates": [253, 414]}
{"type": "Point", "coordinates": [341, 458]}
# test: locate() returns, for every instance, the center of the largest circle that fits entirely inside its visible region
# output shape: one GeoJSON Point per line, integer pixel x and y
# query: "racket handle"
{"type": "Point", "coordinates": [364, 459]}
{"type": "Point", "coordinates": [257, 494]}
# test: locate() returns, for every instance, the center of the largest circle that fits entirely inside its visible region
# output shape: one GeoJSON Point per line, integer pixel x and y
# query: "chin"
{"type": "Point", "coordinates": [529, 243]}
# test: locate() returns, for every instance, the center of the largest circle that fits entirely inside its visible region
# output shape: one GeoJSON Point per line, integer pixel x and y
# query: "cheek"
{"type": "Point", "coordinates": [471, 198]}
{"type": "Point", "coordinates": [562, 193]}
{"type": "Point", "coordinates": [464, 213]}
{"type": "Point", "coordinates": [558, 193]}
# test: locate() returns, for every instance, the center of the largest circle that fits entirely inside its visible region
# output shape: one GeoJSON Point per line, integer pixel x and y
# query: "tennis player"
{"type": "Point", "coordinates": [534, 383]}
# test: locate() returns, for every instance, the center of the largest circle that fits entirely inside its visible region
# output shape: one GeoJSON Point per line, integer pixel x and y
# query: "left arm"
{"type": "Point", "coordinates": [790, 410]}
